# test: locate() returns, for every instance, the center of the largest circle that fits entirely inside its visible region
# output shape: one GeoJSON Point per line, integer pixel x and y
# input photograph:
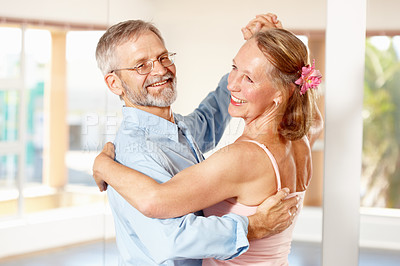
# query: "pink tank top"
{"type": "Point", "coordinates": [269, 251]}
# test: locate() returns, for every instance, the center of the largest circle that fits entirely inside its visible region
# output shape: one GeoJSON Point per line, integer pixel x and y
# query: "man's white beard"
{"type": "Point", "coordinates": [164, 98]}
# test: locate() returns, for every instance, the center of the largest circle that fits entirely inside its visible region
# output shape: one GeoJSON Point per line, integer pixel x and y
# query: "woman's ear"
{"type": "Point", "coordinates": [293, 87]}
{"type": "Point", "coordinates": [278, 98]}
{"type": "Point", "coordinates": [114, 84]}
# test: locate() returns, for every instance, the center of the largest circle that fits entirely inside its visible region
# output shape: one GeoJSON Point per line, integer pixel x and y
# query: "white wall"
{"type": "Point", "coordinates": [78, 11]}
{"type": "Point", "coordinates": [383, 15]}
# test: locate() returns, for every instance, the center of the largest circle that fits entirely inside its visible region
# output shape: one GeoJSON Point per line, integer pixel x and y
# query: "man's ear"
{"type": "Point", "coordinates": [114, 84]}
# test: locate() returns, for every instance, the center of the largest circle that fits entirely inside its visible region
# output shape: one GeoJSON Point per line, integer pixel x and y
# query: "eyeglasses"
{"type": "Point", "coordinates": [146, 67]}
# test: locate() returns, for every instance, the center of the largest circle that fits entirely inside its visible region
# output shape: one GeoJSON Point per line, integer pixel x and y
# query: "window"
{"type": "Point", "coordinates": [87, 103]}
{"type": "Point", "coordinates": [10, 53]}
{"type": "Point", "coordinates": [27, 62]}
{"type": "Point", "coordinates": [381, 114]}
{"type": "Point", "coordinates": [50, 92]}
{"type": "Point", "coordinates": [37, 61]}
{"type": "Point", "coordinates": [10, 118]}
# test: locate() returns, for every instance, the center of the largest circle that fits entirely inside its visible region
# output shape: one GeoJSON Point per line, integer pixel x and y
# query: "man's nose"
{"type": "Point", "coordinates": [158, 68]}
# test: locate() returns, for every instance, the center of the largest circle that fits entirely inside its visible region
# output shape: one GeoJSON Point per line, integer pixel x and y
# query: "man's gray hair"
{"type": "Point", "coordinates": [117, 35]}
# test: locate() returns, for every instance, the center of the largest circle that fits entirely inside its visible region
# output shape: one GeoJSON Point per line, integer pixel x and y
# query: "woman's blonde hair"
{"type": "Point", "coordinates": [288, 55]}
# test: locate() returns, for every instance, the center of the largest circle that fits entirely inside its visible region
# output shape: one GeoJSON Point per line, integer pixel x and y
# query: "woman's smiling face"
{"type": "Point", "coordinates": [252, 92]}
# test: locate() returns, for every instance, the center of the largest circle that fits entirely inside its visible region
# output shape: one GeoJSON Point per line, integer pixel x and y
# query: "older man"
{"type": "Point", "coordinates": [155, 141]}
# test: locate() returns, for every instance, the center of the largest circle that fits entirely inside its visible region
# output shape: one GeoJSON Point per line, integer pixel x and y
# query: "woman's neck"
{"type": "Point", "coordinates": [263, 129]}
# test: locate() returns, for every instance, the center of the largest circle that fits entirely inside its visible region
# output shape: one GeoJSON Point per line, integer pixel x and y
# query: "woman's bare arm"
{"type": "Point", "coordinates": [195, 188]}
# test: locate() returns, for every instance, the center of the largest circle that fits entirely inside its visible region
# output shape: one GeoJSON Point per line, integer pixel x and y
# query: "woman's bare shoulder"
{"type": "Point", "coordinates": [240, 151]}
{"type": "Point", "coordinates": [240, 157]}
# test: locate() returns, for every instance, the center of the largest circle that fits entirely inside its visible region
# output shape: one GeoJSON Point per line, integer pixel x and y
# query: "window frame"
{"type": "Point", "coordinates": [18, 147]}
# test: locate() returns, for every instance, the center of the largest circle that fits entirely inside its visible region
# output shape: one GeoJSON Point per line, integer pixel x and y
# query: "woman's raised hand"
{"type": "Point", "coordinates": [261, 22]}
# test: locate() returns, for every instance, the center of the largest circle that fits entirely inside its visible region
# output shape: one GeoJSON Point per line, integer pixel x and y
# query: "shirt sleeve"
{"type": "Point", "coordinates": [208, 121]}
{"type": "Point", "coordinates": [188, 236]}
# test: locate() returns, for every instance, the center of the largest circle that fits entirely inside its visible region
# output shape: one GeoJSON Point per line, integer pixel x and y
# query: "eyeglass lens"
{"type": "Point", "coordinates": [165, 60]}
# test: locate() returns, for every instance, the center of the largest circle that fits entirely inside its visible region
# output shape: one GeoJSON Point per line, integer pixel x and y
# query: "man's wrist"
{"type": "Point", "coordinates": [256, 230]}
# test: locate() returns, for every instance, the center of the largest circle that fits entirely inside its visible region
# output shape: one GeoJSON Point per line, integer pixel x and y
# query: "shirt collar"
{"type": "Point", "coordinates": [152, 124]}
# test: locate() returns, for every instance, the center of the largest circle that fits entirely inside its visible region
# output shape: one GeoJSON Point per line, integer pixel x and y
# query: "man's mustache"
{"type": "Point", "coordinates": [152, 80]}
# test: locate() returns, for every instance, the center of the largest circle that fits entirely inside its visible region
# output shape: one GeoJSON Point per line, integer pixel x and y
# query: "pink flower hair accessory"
{"type": "Point", "coordinates": [310, 78]}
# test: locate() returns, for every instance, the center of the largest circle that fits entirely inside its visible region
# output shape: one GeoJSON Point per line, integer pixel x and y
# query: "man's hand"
{"type": "Point", "coordinates": [108, 153]}
{"type": "Point", "coordinates": [273, 216]}
{"type": "Point", "coordinates": [261, 22]}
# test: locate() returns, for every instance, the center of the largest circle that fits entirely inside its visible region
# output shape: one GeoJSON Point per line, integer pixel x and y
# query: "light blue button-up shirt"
{"type": "Point", "coordinates": [160, 149]}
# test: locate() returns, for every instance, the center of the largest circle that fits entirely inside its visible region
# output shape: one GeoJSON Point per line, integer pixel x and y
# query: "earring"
{"type": "Point", "coordinates": [276, 102]}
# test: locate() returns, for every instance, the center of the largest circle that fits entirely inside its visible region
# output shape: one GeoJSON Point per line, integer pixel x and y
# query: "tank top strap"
{"type": "Point", "coordinates": [273, 161]}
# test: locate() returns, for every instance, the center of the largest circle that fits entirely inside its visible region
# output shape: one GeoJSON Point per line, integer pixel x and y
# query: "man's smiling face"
{"type": "Point", "coordinates": [158, 88]}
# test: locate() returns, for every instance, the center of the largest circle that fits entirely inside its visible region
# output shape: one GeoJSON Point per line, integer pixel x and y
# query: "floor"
{"type": "Point", "coordinates": [105, 254]}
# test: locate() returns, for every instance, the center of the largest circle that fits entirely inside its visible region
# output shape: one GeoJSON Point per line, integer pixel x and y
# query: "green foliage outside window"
{"type": "Point", "coordinates": [381, 140]}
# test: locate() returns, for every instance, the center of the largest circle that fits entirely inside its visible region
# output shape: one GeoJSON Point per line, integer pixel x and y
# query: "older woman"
{"type": "Point", "coordinates": [271, 86]}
